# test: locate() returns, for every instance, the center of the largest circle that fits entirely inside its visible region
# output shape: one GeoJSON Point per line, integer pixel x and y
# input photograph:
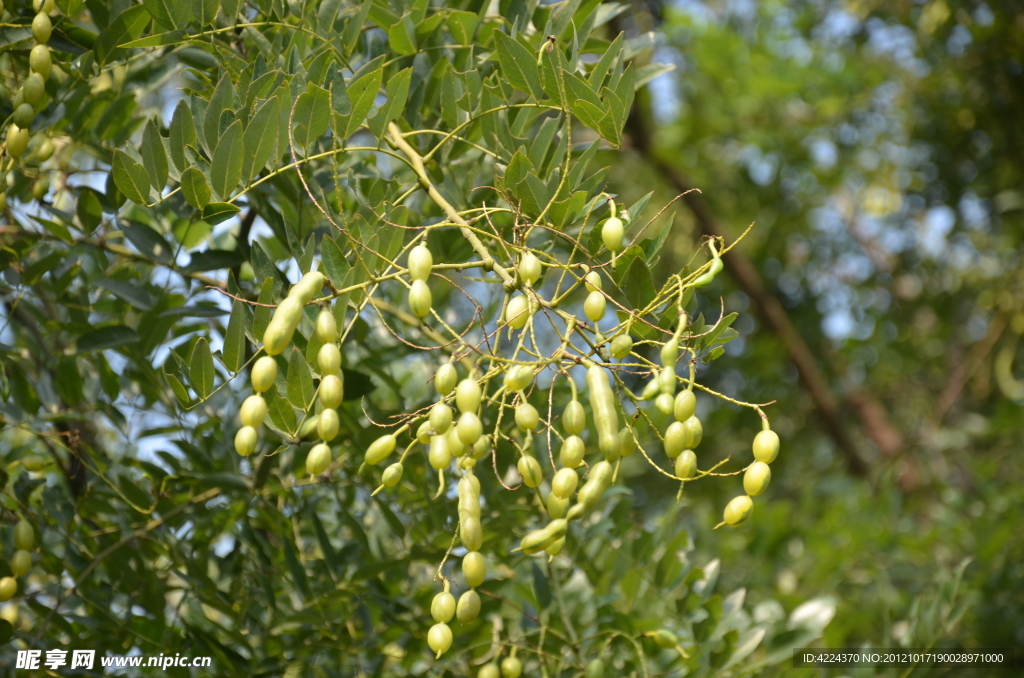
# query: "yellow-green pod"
{"type": "Point", "coordinates": [518, 378]}
{"type": "Point", "coordinates": [557, 506]}
{"type": "Point", "coordinates": [420, 299]}
{"type": "Point", "coordinates": [594, 307]}
{"type": "Point", "coordinates": [756, 478]}
{"type": "Point", "coordinates": [40, 62]}
{"type": "Point", "coordinates": [308, 427]}
{"type": "Point", "coordinates": [467, 395]}
{"type": "Point", "coordinates": [613, 232]}
{"type": "Point", "coordinates": [474, 568]}
{"type": "Point", "coordinates": [328, 358]}
{"type": "Point", "coordinates": [17, 141]}
{"type": "Point", "coordinates": [530, 269]}
{"type": "Point", "coordinates": [445, 379]}
{"type": "Point", "coordinates": [21, 563]}
{"type": "Point", "coordinates": [423, 433]}
{"type": "Point", "coordinates": [439, 638]}
{"type": "Point", "coordinates": [326, 327]}
{"type": "Point", "coordinates": [685, 405]}
{"type": "Point", "coordinates": [481, 447]}
{"type": "Point", "coordinates": [246, 440]}
{"type": "Point", "coordinates": [574, 418]}
{"type": "Point", "coordinates": [555, 547]}
{"type": "Point", "coordinates": [664, 638]}
{"type": "Point", "coordinates": [421, 262]}
{"type": "Point", "coordinates": [664, 403]}
{"type": "Point", "coordinates": [253, 411]}
{"type": "Point", "coordinates": [511, 667]}
{"type": "Point", "coordinates": [738, 510]}
{"type": "Point", "coordinates": [327, 425]}
{"type": "Point", "coordinates": [34, 462]}
{"type": "Point", "coordinates": [455, 445]}
{"type": "Point", "coordinates": [392, 474]}
{"type": "Point", "coordinates": [439, 455]}
{"type": "Point", "coordinates": [442, 607]}
{"type": "Point", "coordinates": [489, 671]}
{"type": "Point", "coordinates": [571, 453]}
{"type": "Point", "coordinates": [677, 439]}
{"type": "Point", "coordinates": [379, 450]}
{"type": "Point", "coordinates": [592, 281]}
{"type": "Point", "coordinates": [564, 483]}
{"type": "Point", "coordinates": [651, 390]}
{"type": "Point", "coordinates": [318, 459]}
{"type": "Point", "coordinates": [8, 588]}
{"type": "Point", "coordinates": [766, 446]}
{"type": "Point", "coordinates": [264, 373]}
{"type": "Point", "coordinates": [527, 418]}
{"type": "Point", "coordinates": [282, 326]}
{"type": "Point", "coordinates": [308, 287]}
{"type": "Point", "coordinates": [471, 533]}
{"type": "Point", "coordinates": [469, 428]}
{"type": "Point", "coordinates": [686, 464]}
{"type": "Point", "coordinates": [440, 418]}
{"type": "Point", "coordinates": [529, 469]}
{"type": "Point", "coordinates": [517, 312]}
{"type": "Point", "coordinates": [667, 380]}
{"type": "Point", "coordinates": [621, 346]}
{"type": "Point", "coordinates": [332, 391]}
{"type": "Point", "coordinates": [695, 430]}
{"type": "Point", "coordinates": [606, 416]}
{"type": "Point", "coordinates": [469, 607]}
{"type": "Point", "coordinates": [627, 441]}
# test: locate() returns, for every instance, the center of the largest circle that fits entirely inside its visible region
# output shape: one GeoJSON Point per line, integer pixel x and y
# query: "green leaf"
{"type": "Point", "coordinates": [170, 14]}
{"type": "Point", "coordinates": [130, 178]}
{"type": "Point", "coordinates": [183, 133]}
{"type": "Point", "coordinates": [654, 245]}
{"type": "Point", "coordinates": [130, 292]}
{"type": "Point", "coordinates": [194, 188]}
{"type": "Point", "coordinates": [159, 40]}
{"type": "Point", "coordinates": [398, 94]}
{"type": "Point", "coordinates": [128, 26]}
{"type": "Point", "coordinates": [297, 571]}
{"type": "Point", "coordinates": [234, 338]}
{"type": "Point", "coordinates": [462, 25]}
{"type": "Point", "coordinates": [354, 27]}
{"type": "Point", "coordinates": [280, 411]}
{"type": "Point", "coordinates": [213, 260]}
{"type": "Point", "coordinates": [217, 212]}
{"type": "Point", "coordinates": [103, 338]}
{"type": "Point", "coordinates": [89, 209]}
{"type": "Point", "coordinates": [541, 589]}
{"type": "Point", "coordinates": [231, 9]}
{"type": "Point", "coordinates": [154, 159]}
{"type": "Point", "coordinates": [300, 381]}
{"type": "Point", "coordinates": [201, 371]}
{"type": "Point", "coordinates": [223, 99]}
{"type": "Point", "coordinates": [205, 11]}
{"type": "Point", "coordinates": [260, 139]}
{"type": "Point", "coordinates": [402, 36]}
{"type": "Point", "coordinates": [362, 93]}
{"type": "Point", "coordinates": [335, 265]}
{"type": "Point", "coordinates": [150, 243]}
{"type": "Point", "coordinates": [518, 65]}
{"type": "Point", "coordinates": [262, 314]}
{"type": "Point", "coordinates": [312, 115]}
{"type": "Point", "coordinates": [226, 168]}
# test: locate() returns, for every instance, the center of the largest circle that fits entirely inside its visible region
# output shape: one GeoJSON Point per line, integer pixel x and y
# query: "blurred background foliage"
{"type": "Point", "coordinates": [875, 146]}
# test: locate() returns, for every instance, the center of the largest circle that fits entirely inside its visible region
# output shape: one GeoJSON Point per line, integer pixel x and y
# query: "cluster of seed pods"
{"type": "Point", "coordinates": [21, 562]}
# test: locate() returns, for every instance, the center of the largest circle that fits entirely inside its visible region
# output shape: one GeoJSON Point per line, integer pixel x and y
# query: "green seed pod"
{"type": "Point", "coordinates": [664, 638]}
{"type": "Point", "coordinates": [529, 469]}
{"type": "Point", "coordinates": [685, 405]}
{"type": "Point", "coordinates": [595, 669]}
{"type": "Point", "coordinates": [246, 440]}
{"type": "Point", "coordinates": [602, 404]}
{"type": "Point", "coordinates": [21, 563]}
{"type": "Point", "coordinates": [45, 150]}
{"type": "Point", "coordinates": [332, 391]}
{"type": "Point", "coordinates": [677, 439]}
{"type": "Point", "coordinates": [471, 533]}
{"type": "Point", "coordinates": [756, 478]}
{"type": "Point", "coordinates": [597, 482]}
{"type": "Point", "coordinates": [518, 378]}
{"type": "Point", "coordinates": [8, 588]}
{"type": "Point", "coordinates": [445, 379]}
{"type": "Point", "coordinates": [667, 380]}
{"type": "Point", "coordinates": [627, 441]}
{"type": "Point", "coordinates": [594, 307]}
{"type": "Point", "coordinates": [3, 201]}
{"type": "Point", "coordinates": [696, 431]}
{"type": "Point", "coordinates": [592, 281]}
{"type": "Point", "coordinates": [664, 402]}
{"type": "Point", "coordinates": [24, 115]}
{"type": "Point", "coordinates": [469, 607]}
{"type": "Point", "coordinates": [39, 61]}
{"type": "Point", "coordinates": [564, 483]}
{"type": "Point", "coordinates": [738, 510]}
{"type": "Point", "coordinates": [328, 424]}
{"type": "Point", "coordinates": [527, 418]}
{"type": "Point", "coordinates": [467, 395]}
{"type": "Point", "coordinates": [469, 428]}
{"type": "Point", "coordinates": [439, 455]}
{"type": "Point", "coordinates": [613, 233]}
{"type": "Point", "coordinates": [45, 6]}
{"type": "Point", "coordinates": [33, 89]}
{"type": "Point", "coordinates": [555, 547]}
{"type": "Point", "coordinates": [17, 141]}
{"type": "Point", "coordinates": [766, 446]}
{"type": "Point", "coordinates": [571, 453]}
{"type": "Point", "coordinates": [530, 269]}
{"type": "Point", "coordinates": [440, 418]}
{"type": "Point", "coordinates": [42, 27]}
{"type": "Point", "coordinates": [669, 354]}
{"type": "Point", "coordinates": [40, 188]}
{"type": "Point", "coordinates": [379, 450]}
{"type": "Point", "coordinates": [481, 447]}
{"type": "Point", "coordinates": [326, 327]}
{"type": "Point", "coordinates": [489, 671]}
{"type": "Point", "coordinates": [421, 261]}
{"type": "Point", "coordinates": [557, 506]}
{"type": "Point", "coordinates": [24, 536]}
{"type": "Point", "coordinates": [439, 638]}
{"type": "Point", "coordinates": [328, 358]}
{"type": "Point", "coordinates": [423, 433]}
{"type": "Point", "coordinates": [318, 459]}
{"type": "Point", "coordinates": [442, 608]}
{"type": "Point", "coordinates": [392, 474]}
{"type": "Point", "coordinates": [686, 464]}
{"type": "Point", "coordinates": [253, 411]}
{"type": "Point", "coordinates": [308, 427]}
{"type": "Point", "coordinates": [474, 568]}
{"type": "Point", "coordinates": [621, 346]}
{"type": "Point", "coordinates": [34, 462]}
{"type": "Point", "coordinates": [538, 540]}
{"type": "Point", "coordinates": [264, 373]}
{"type": "Point", "coordinates": [574, 418]}
{"type": "Point", "coordinates": [420, 299]}
{"type": "Point", "coordinates": [511, 667]}
{"type": "Point", "coordinates": [456, 447]}
{"type": "Point", "coordinates": [282, 326]}
{"type": "Point", "coordinates": [517, 312]}
{"type": "Point", "coordinates": [308, 287]}
{"type": "Point", "coordinates": [651, 390]}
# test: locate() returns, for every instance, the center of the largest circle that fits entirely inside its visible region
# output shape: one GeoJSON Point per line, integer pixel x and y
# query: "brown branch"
{"type": "Point", "coordinates": [746, 275]}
